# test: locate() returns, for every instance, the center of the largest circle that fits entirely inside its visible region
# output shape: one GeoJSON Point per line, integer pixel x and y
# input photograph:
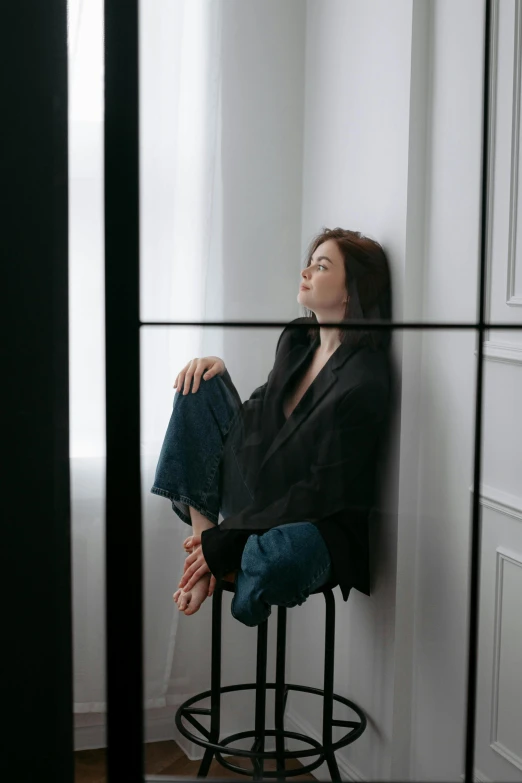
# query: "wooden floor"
{"type": "Point", "coordinates": [167, 758]}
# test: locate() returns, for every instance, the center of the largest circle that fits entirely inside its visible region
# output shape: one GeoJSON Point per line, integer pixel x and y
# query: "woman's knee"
{"type": "Point", "coordinates": [211, 395]}
{"type": "Point", "coordinates": [212, 386]}
{"type": "Point", "coordinates": [284, 556]}
{"type": "Point", "coordinates": [261, 558]}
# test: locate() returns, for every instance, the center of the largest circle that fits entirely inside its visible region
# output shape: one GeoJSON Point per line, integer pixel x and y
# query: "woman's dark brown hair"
{"type": "Point", "coordinates": [368, 285]}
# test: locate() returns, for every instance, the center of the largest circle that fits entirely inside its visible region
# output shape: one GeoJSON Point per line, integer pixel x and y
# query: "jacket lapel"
{"type": "Point", "coordinates": [321, 385]}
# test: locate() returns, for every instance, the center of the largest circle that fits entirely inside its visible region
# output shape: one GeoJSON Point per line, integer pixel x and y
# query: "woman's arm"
{"type": "Point", "coordinates": [334, 483]}
{"type": "Point", "coordinates": [230, 385]}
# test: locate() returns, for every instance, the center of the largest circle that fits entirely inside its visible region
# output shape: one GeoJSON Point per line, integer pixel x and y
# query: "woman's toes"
{"type": "Point", "coordinates": [177, 596]}
{"type": "Point", "coordinates": [198, 594]}
{"type": "Point", "coordinates": [193, 606]}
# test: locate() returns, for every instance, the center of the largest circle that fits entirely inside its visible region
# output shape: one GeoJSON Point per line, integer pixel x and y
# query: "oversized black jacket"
{"type": "Point", "coordinates": [318, 465]}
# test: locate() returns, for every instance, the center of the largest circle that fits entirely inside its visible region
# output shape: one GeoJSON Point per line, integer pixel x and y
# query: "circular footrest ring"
{"type": "Point", "coordinates": [184, 711]}
{"type": "Point", "coordinates": [259, 754]}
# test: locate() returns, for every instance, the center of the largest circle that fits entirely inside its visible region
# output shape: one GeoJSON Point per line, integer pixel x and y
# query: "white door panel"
{"type": "Point", "coordinates": [498, 742]}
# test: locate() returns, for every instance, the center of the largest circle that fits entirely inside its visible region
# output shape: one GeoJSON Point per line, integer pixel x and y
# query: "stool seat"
{"type": "Point", "coordinates": [210, 739]}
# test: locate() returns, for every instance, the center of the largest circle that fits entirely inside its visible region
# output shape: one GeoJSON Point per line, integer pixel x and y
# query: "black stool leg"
{"type": "Point", "coordinates": [215, 681]}
{"type": "Point", "coordinates": [329, 650]}
{"type": "Point", "coordinates": [259, 743]}
{"type": "Point", "coordinates": [280, 691]}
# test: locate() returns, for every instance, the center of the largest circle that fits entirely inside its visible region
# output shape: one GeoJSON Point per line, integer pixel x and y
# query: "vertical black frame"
{"type": "Point", "coordinates": [476, 520]}
{"type": "Point", "coordinates": [37, 655]}
{"type": "Point", "coordinates": [123, 535]}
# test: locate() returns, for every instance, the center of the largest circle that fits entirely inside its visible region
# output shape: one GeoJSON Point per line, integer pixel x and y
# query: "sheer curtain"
{"type": "Point", "coordinates": [180, 207]}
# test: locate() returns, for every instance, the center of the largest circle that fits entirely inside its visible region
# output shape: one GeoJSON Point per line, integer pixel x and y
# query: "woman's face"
{"type": "Point", "coordinates": [325, 292]}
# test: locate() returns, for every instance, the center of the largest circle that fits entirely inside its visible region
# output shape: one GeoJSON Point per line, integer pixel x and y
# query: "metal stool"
{"type": "Point", "coordinates": [325, 751]}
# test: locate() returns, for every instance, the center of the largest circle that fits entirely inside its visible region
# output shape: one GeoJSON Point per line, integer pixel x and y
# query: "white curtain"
{"type": "Point", "coordinates": [180, 219]}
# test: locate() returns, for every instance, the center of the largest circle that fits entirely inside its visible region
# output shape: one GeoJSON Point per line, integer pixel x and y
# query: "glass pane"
{"type": "Point", "coordinates": [246, 155]}
{"type": "Point", "coordinates": [242, 168]}
{"type": "Point", "coordinates": [416, 533]}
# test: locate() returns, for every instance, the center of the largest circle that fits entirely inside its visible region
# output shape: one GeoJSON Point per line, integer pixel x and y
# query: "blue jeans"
{"type": "Point", "coordinates": [197, 467]}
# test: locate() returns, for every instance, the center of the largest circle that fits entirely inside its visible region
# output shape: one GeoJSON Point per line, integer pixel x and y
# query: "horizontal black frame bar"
{"type": "Point", "coordinates": [352, 325]}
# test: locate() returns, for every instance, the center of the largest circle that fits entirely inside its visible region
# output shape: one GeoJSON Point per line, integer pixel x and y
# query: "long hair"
{"type": "Point", "coordinates": [368, 286]}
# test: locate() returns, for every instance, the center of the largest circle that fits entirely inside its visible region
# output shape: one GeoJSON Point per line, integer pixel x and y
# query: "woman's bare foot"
{"type": "Point", "coordinates": [189, 601]}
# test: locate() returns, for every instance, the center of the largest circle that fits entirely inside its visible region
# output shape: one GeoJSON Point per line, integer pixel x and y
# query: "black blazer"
{"type": "Point", "coordinates": [319, 465]}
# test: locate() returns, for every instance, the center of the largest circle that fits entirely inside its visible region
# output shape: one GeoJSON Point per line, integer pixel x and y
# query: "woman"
{"type": "Point", "coordinates": [292, 470]}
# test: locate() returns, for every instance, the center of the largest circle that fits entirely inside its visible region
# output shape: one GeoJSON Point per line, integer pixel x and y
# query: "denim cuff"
{"type": "Point", "coordinates": [180, 505]}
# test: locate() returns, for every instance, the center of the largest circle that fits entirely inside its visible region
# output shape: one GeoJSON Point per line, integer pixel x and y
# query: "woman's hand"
{"type": "Point", "coordinates": [188, 547]}
{"type": "Point", "coordinates": [195, 566]}
{"type": "Point", "coordinates": [195, 369]}
{"type": "Point", "coordinates": [187, 544]}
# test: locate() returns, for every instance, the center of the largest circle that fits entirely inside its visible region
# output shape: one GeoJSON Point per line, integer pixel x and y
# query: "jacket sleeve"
{"type": "Point", "coordinates": [222, 549]}
{"type": "Point", "coordinates": [230, 384]}
{"type": "Point", "coordinates": [259, 393]}
{"type": "Point", "coordinates": [331, 485]}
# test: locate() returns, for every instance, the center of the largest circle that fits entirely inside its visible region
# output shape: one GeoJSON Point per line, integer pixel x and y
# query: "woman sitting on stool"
{"type": "Point", "coordinates": [292, 470]}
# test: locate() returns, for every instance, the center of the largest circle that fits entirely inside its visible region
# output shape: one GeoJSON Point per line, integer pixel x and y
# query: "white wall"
{"type": "Point", "coordinates": [446, 433]}
{"type": "Point", "coordinates": [447, 379]}
{"type": "Point", "coordinates": [262, 137]}
{"type": "Point", "coordinates": [356, 175]}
